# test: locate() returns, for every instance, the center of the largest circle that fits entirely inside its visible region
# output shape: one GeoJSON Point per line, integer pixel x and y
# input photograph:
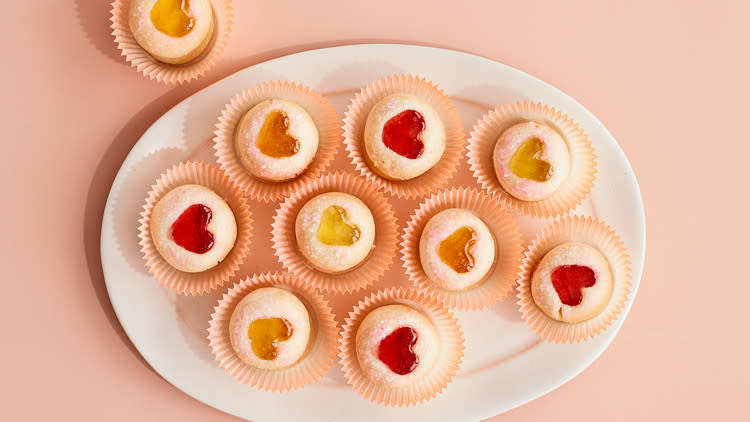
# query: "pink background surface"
{"type": "Point", "coordinates": [668, 78]}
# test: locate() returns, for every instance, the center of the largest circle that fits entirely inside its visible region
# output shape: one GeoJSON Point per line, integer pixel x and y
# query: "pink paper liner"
{"type": "Point", "coordinates": [386, 234]}
{"type": "Point", "coordinates": [356, 117]}
{"type": "Point", "coordinates": [322, 113]}
{"type": "Point", "coordinates": [165, 72]}
{"type": "Point", "coordinates": [202, 282]}
{"type": "Point", "coordinates": [500, 280]}
{"type": "Point", "coordinates": [576, 186]}
{"type": "Point", "coordinates": [574, 229]}
{"type": "Point", "coordinates": [435, 381]}
{"type": "Point", "coordinates": [316, 362]}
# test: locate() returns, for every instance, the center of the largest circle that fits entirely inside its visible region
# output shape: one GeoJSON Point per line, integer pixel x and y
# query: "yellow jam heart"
{"type": "Point", "coordinates": [171, 17]}
{"type": "Point", "coordinates": [265, 335]}
{"type": "Point", "coordinates": [526, 163]}
{"type": "Point", "coordinates": [454, 250]}
{"type": "Point", "coordinates": [335, 228]}
{"type": "Point", "coordinates": [273, 139]}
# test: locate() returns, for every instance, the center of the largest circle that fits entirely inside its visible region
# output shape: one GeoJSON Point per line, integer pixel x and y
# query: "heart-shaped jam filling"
{"type": "Point", "coordinates": [190, 229]}
{"type": "Point", "coordinates": [396, 350]}
{"type": "Point", "coordinates": [569, 280]}
{"type": "Point", "coordinates": [335, 228]}
{"type": "Point", "coordinates": [171, 17]}
{"type": "Point", "coordinates": [454, 250]}
{"type": "Point", "coordinates": [265, 335]}
{"type": "Point", "coordinates": [526, 163]}
{"type": "Point", "coordinates": [273, 139]}
{"type": "Point", "coordinates": [401, 134]}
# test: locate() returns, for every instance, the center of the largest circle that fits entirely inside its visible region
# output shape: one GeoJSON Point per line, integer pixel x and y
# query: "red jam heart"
{"type": "Point", "coordinates": [401, 134]}
{"type": "Point", "coordinates": [189, 230]}
{"type": "Point", "coordinates": [397, 350]}
{"type": "Point", "coordinates": [569, 280]}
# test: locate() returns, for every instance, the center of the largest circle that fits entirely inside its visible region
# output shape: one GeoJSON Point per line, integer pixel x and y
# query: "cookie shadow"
{"type": "Point", "coordinates": [507, 308]}
{"type": "Point", "coordinates": [99, 189]}
{"type": "Point", "coordinates": [128, 201]}
{"type": "Point", "coordinates": [93, 17]}
{"type": "Point", "coordinates": [194, 314]}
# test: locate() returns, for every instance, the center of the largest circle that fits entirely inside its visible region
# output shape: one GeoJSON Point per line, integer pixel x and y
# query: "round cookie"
{"type": "Point", "coordinates": [276, 140]}
{"type": "Point", "coordinates": [396, 345]}
{"type": "Point", "coordinates": [270, 329]}
{"type": "Point", "coordinates": [193, 228]}
{"type": "Point", "coordinates": [572, 283]}
{"type": "Point", "coordinates": [456, 249]}
{"type": "Point", "coordinates": [404, 137]}
{"type": "Point", "coordinates": [531, 161]}
{"type": "Point", "coordinates": [172, 31]}
{"type": "Point", "coordinates": [335, 232]}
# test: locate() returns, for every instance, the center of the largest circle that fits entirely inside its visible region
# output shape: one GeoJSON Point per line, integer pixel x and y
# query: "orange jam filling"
{"type": "Point", "coordinates": [526, 161]}
{"type": "Point", "coordinates": [171, 17]}
{"type": "Point", "coordinates": [454, 250]}
{"type": "Point", "coordinates": [265, 335]}
{"type": "Point", "coordinates": [273, 139]}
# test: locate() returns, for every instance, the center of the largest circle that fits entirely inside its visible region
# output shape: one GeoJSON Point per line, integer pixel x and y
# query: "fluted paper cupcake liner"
{"type": "Point", "coordinates": [316, 362]}
{"type": "Point", "coordinates": [591, 232]}
{"type": "Point", "coordinates": [356, 117]}
{"type": "Point", "coordinates": [201, 282]}
{"type": "Point", "coordinates": [374, 266]}
{"type": "Point", "coordinates": [573, 190]}
{"type": "Point", "coordinates": [322, 113]}
{"type": "Point", "coordinates": [509, 248]}
{"type": "Point", "coordinates": [447, 364]}
{"type": "Point", "coordinates": [165, 72]}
